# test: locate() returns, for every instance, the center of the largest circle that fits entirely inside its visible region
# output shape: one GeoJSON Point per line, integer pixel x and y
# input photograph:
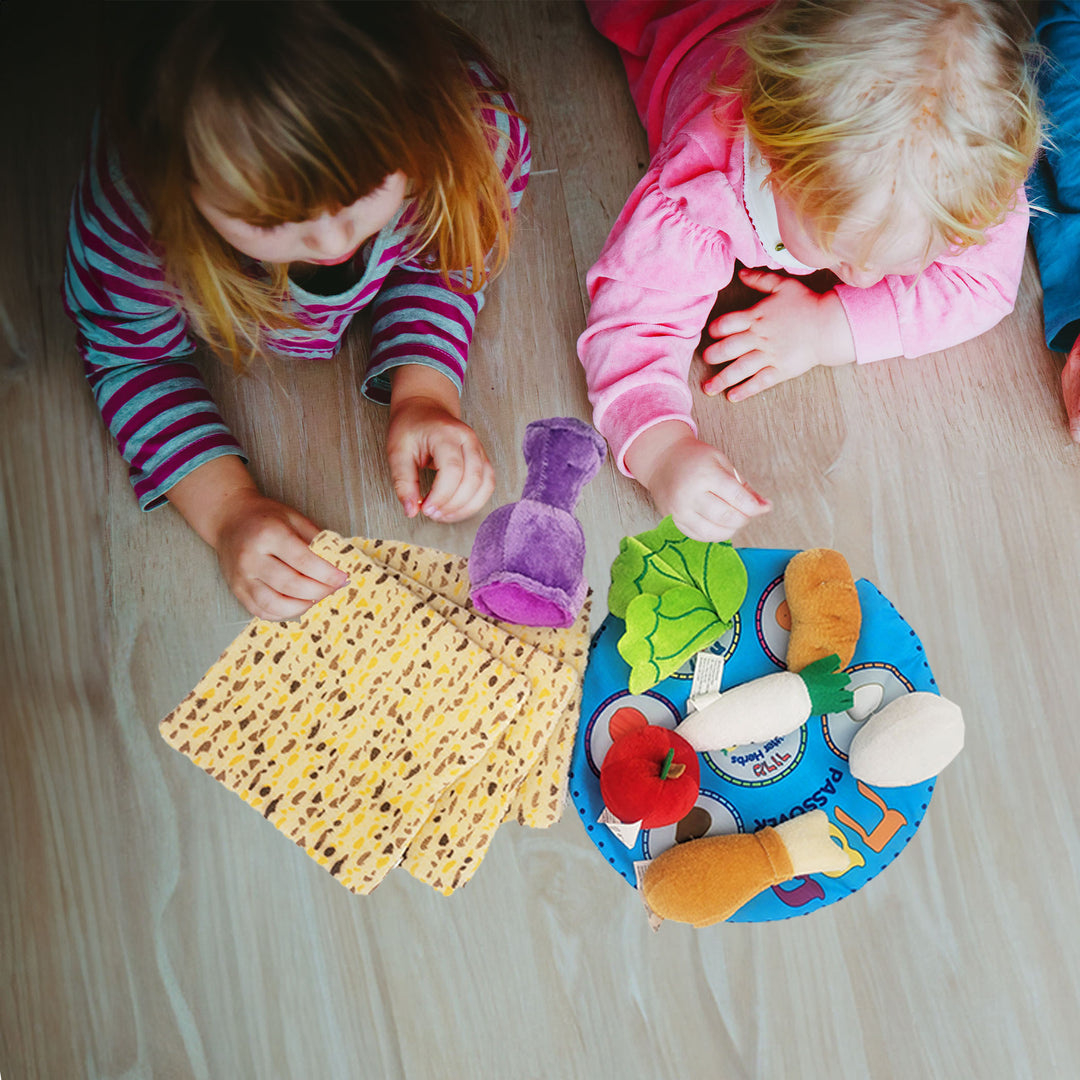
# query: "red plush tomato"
{"type": "Point", "coordinates": [650, 775]}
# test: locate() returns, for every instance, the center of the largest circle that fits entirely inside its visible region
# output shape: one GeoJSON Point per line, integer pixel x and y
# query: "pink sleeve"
{"type": "Point", "coordinates": [953, 300]}
{"type": "Point", "coordinates": [650, 294]}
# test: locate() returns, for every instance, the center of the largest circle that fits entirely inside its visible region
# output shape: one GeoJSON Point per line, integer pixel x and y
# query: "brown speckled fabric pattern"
{"type": "Point", "coordinates": [391, 724]}
{"type": "Point", "coordinates": [344, 728]}
{"type": "Point", "coordinates": [539, 800]}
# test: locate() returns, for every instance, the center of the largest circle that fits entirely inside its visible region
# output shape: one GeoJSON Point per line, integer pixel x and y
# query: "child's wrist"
{"type": "Point", "coordinates": [229, 505]}
{"type": "Point", "coordinates": [838, 344]}
{"type": "Point", "coordinates": [417, 383]}
{"type": "Point", "coordinates": [208, 495]}
{"type": "Point", "coordinates": [647, 452]}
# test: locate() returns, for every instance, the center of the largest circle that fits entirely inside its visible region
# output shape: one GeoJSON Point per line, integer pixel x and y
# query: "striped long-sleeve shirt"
{"type": "Point", "coordinates": [134, 336]}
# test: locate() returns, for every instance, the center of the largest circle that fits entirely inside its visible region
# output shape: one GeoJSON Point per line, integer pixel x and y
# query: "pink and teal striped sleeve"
{"type": "Point", "coordinates": [417, 317]}
{"type": "Point", "coordinates": [133, 336]}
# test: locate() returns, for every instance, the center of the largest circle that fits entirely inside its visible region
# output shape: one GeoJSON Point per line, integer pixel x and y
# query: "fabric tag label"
{"type": "Point", "coordinates": [655, 920]}
{"type": "Point", "coordinates": [708, 677]}
{"type": "Point", "coordinates": [626, 832]}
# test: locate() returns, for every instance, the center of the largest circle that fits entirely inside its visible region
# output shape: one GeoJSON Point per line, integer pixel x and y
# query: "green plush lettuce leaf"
{"type": "Point", "coordinates": [676, 596]}
{"type": "Point", "coordinates": [655, 561]}
{"type": "Point", "coordinates": [663, 632]}
{"type": "Point", "coordinates": [637, 570]}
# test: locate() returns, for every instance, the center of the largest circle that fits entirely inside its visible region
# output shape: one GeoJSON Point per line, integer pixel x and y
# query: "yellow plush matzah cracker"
{"type": "Point", "coordinates": [344, 729]}
{"type": "Point", "coordinates": [542, 794]}
{"type": "Point", "coordinates": [448, 848]}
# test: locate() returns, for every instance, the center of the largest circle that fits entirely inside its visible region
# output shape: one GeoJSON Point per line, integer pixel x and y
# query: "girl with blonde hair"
{"type": "Point", "coordinates": [261, 173]}
{"type": "Point", "coordinates": [885, 142]}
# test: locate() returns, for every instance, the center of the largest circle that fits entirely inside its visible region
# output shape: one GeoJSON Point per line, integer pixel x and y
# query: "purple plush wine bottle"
{"type": "Point", "coordinates": [528, 560]}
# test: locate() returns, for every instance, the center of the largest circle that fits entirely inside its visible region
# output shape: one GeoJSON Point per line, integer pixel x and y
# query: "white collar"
{"type": "Point", "coordinates": [758, 199]}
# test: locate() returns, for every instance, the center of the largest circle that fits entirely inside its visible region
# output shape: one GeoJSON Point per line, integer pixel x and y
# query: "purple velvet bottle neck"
{"type": "Point", "coordinates": [562, 456]}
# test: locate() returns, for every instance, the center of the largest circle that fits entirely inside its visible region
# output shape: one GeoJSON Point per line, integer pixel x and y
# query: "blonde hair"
{"type": "Point", "coordinates": [281, 111]}
{"type": "Point", "coordinates": [930, 100]}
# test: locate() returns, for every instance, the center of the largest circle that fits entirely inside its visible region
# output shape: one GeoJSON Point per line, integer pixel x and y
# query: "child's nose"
{"type": "Point", "coordinates": [860, 277]}
{"type": "Point", "coordinates": [329, 235]}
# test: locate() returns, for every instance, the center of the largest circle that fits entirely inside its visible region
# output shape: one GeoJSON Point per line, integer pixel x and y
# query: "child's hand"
{"type": "Point", "coordinates": [693, 482]}
{"type": "Point", "coordinates": [262, 547]}
{"type": "Point", "coordinates": [422, 435]}
{"type": "Point", "coordinates": [1070, 389]}
{"type": "Point", "coordinates": [792, 330]}
{"type": "Point", "coordinates": [261, 544]}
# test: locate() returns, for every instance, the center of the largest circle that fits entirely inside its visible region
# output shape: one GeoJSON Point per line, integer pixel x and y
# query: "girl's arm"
{"type": "Point", "coordinates": [261, 544]}
{"type": "Point", "coordinates": [418, 316]}
{"type": "Point", "coordinates": [953, 300]}
{"type": "Point", "coordinates": [421, 332]}
{"type": "Point", "coordinates": [669, 253]}
{"type": "Point", "coordinates": [134, 341]}
{"type": "Point", "coordinates": [133, 338]}
{"type": "Point", "coordinates": [417, 319]}
{"type": "Point", "coordinates": [650, 293]}
{"type": "Point", "coordinates": [636, 350]}
{"type": "Point", "coordinates": [793, 328]}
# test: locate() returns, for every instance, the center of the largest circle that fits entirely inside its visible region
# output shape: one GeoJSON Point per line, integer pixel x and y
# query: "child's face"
{"type": "Point", "coordinates": [326, 240]}
{"type": "Point", "coordinates": [902, 250]}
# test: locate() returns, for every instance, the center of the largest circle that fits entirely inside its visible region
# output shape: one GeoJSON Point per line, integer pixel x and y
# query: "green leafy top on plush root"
{"type": "Point", "coordinates": [828, 688]}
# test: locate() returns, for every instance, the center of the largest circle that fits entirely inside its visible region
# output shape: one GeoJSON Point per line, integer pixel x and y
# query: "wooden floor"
{"type": "Point", "coordinates": [150, 926]}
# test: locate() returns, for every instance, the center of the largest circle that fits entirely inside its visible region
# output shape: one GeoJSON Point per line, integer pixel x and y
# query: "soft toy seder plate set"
{"type": "Point", "coordinates": [745, 788]}
{"type": "Point", "coordinates": [757, 734]}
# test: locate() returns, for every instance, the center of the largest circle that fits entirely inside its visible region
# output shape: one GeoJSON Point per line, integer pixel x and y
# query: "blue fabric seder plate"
{"type": "Point", "coordinates": [748, 787]}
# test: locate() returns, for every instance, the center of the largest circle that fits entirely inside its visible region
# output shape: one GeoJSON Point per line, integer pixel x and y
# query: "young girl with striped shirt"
{"type": "Point", "coordinates": [261, 173]}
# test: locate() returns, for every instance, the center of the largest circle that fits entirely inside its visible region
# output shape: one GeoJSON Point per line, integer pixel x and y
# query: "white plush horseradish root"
{"type": "Point", "coordinates": [769, 707]}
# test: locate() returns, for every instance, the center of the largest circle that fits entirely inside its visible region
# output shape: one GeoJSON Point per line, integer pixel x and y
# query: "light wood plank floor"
{"type": "Point", "coordinates": [150, 926]}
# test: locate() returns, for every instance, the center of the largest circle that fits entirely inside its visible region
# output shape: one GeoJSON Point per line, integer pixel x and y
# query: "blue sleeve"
{"type": "Point", "coordinates": [1054, 186]}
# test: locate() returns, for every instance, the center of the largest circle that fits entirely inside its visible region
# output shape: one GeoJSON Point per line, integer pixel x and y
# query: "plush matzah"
{"type": "Point", "coordinates": [345, 728]}
{"type": "Point", "coordinates": [542, 794]}
{"type": "Point", "coordinates": [447, 849]}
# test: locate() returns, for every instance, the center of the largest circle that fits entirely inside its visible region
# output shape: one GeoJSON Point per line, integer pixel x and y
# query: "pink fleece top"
{"type": "Point", "coordinates": [674, 247]}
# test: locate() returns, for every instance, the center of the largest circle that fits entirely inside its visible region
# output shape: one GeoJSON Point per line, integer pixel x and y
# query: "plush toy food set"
{"type": "Point", "coordinates": [760, 732]}
{"type": "Point", "coordinates": [743, 709]}
{"type": "Point", "coordinates": [394, 724]}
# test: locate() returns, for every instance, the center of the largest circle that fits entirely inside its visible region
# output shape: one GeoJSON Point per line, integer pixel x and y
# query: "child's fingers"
{"type": "Point", "coordinates": [737, 371]}
{"type": "Point", "coordinates": [464, 481]}
{"type": "Point", "coordinates": [267, 603]}
{"type": "Point", "coordinates": [294, 553]}
{"type": "Point", "coordinates": [731, 322]}
{"type": "Point", "coordinates": [764, 379]}
{"type": "Point", "coordinates": [762, 280]}
{"type": "Point", "coordinates": [405, 478]}
{"type": "Point", "coordinates": [306, 529]}
{"type": "Point", "coordinates": [290, 583]}
{"type": "Point", "coordinates": [1070, 389]}
{"type": "Point", "coordinates": [700, 528]}
{"type": "Point", "coordinates": [449, 463]}
{"type": "Point", "coordinates": [476, 488]}
{"type": "Point", "coordinates": [715, 520]}
{"type": "Point", "coordinates": [731, 347]}
{"type": "Point", "coordinates": [730, 495]}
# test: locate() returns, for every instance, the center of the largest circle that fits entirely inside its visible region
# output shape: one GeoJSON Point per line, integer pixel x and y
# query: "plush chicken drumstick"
{"type": "Point", "coordinates": [707, 880]}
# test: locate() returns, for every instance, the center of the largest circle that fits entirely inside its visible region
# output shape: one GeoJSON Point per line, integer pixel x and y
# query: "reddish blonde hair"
{"type": "Point", "coordinates": [281, 111]}
{"type": "Point", "coordinates": [931, 99]}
